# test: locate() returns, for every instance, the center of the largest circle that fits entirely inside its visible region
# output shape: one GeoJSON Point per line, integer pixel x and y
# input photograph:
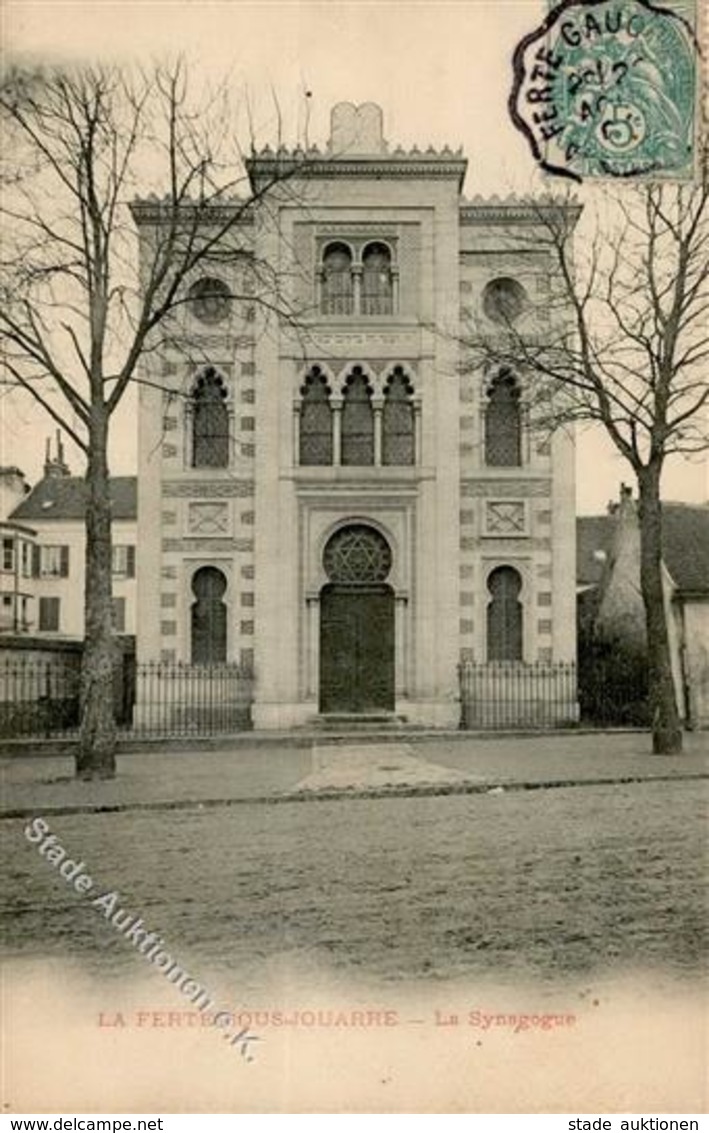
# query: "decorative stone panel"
{"type": "Point", "coordinates": [505, 517]}
{"type": "Point", "coordinates": [209, 517]}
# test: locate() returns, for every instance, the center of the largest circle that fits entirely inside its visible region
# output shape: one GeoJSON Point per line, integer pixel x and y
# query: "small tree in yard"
{"type": "Point", "coordinates": [74, 322]}
{"type": "Point", "coordinates": [623, 340]}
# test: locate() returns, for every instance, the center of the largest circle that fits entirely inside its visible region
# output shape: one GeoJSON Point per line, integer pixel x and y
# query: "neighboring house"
{"type": "Point", "coordinates": [16, 591]}
{"type": "Point", "coordinates": [47, 527]}
{"type": "Point", "coordinates": [343, 505]}
{"type": "Point", "coordinates": [608, 577]}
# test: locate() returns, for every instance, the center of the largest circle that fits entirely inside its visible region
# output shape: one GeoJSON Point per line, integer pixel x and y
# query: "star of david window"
{"type": "Point", "coordinates": [357, 554]}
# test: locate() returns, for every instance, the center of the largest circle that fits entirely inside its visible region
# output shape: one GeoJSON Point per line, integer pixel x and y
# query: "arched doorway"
{"type": "Point", "coordinates": [504, 615]}
{"type": "Point", "coordinates": [357, 623]}
{"type": "Point", "coordinates": [208, 617]}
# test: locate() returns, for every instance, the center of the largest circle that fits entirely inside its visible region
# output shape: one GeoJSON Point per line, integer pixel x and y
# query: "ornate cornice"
{"type": "Point", "coordinates": [411, 165]}
{"type": "Point", "coordinates": [517, 210]}
{"type": "Point", "coordinates": [159, 210]}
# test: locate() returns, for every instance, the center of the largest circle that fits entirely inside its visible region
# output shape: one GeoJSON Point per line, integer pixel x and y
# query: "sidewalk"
{"type": "Point", "coordinates": [356, 767]}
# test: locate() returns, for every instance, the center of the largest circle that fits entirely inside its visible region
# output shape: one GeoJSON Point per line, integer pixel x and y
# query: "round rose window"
{"type": "Point", "coordinates": [209, 300]}
{"type": "Point", "coordinates": [357, 553]}
{"type": "Point", "coordinates": [504, 300]}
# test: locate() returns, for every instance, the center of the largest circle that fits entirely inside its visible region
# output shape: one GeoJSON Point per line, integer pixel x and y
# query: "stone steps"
{"type": "Point", "coordinates": [360, 722]}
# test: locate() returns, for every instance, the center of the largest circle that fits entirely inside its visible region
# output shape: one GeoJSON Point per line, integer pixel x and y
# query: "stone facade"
{"type": "Point", "coordinates": [353, 536]}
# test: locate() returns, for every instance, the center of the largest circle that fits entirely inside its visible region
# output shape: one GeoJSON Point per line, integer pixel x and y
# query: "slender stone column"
{"type": "Point", "coordinates": [312, 643]}
{"type": "Point", "coordinates": [336, 405]}
{"type": "Point", "coordinates": [401, 612]}
{"type": "Point", "coordinates": [418, 434]}
{"type": "Point", "coordinates": [357, 289]}
{"type": "Point", "coordinates": [296, 430]}
{"type": "Point", "coordinates": [378, 408]}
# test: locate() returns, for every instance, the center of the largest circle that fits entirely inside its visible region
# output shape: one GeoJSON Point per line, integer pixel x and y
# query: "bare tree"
{"type": "Point", "coordinates": [622, 339]}
{"type": "Point", "coordinates": [76, 312]}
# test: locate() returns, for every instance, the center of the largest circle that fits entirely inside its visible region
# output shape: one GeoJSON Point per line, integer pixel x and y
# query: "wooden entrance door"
{"type": "Point", "coordinates": [356, 648]}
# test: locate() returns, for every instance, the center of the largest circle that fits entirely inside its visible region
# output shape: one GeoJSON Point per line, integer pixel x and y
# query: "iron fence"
{"type": "Point", "coordinates": [151, 699]}
{"type": "Point", "coordinates": [514, 694]}
{"type": "Point", "coordinates": [179, 699]}
{"type": "Point", "coordinates": [38, 697]}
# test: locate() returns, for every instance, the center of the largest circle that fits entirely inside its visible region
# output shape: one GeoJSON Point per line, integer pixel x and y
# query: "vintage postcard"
{"type": "Point", "coordinates": [354, 684]}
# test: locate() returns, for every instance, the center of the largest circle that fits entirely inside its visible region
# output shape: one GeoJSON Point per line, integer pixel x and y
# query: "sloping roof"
{"type": "Point", "coordinates": [64, 497]}
{"type": "Point", "coordinates": [685, 541]}
{"type": "Point", "coordinates": [685, 529]}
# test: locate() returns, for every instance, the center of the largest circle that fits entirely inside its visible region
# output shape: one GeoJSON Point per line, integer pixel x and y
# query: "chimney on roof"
{"type": "Point", "coordinates": [621, 613]}
{"type": "Point", "coordinates": [13, 489]}
{"type": "Point", "coordinates": [55, 466]}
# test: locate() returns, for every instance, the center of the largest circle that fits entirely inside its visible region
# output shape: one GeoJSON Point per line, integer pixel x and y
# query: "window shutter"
{"type": "Point", "coordinates": [64, 562]}
{"type": "Point", "coordinates": [49, 615]}
{"type": "Point", "coordinates": [130, 561]}
{"type": "Point", "coordinates": [35, 560]}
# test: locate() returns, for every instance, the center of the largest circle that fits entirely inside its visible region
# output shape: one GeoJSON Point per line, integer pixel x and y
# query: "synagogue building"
{"type": "Point", "coordinates": [330, 492]}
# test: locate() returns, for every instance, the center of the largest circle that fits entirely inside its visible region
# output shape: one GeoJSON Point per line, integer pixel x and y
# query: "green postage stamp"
{"type": "Point", "coordinates": [610, 89]}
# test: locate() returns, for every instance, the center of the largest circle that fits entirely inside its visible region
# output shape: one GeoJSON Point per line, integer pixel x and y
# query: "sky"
{"type": "Point", "coordinates": [440, 70]}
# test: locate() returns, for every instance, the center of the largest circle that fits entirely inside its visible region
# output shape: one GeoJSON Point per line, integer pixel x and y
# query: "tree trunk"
{"type": "Point", "coordinates": [97, 745]}
{"type": "Point", "coordinates": [666, 728]}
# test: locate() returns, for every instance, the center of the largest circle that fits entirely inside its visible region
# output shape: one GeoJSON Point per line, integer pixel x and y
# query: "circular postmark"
{"type": "Point", "coordinates": [608, 88]}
